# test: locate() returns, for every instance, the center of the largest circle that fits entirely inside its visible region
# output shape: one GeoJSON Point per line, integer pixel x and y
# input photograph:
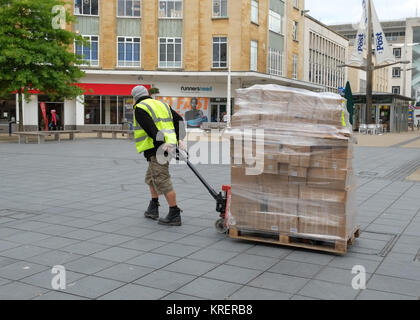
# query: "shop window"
{"type": "Point", "coordinates": [170, 8]}
{"type": "Point", "coordinates": [92, 109]}
{"type": "Point", "coordinates": [219, 52]}
{"type": "Point", "coordinates": [89, 52]}
{"type": "Point", "coordinates": [7, 109]}
{"type": "Point", "coordinates": [170, 52]}
{"type": "Point", "coordinates": [86, 7]}
{"type": "Point", "coordinates": [129, 52]}
{"type": "Point", "coordinates": [254, 11]}
{"type": "Point", "coordinates": [220, 9]}
{"type": "Point", "coordinates": [128, 8]}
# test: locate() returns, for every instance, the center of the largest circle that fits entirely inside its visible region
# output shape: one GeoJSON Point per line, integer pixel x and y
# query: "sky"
{"type": "Point", "coordinates": [350, 11]}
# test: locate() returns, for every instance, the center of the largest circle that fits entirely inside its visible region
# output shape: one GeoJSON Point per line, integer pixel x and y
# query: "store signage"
{"type": "Point", "coordinates": [196, 89]}
{"type": "Point", "coordinates": [44, 114]}
{"type": "Point", "coordinates": [183, 104]}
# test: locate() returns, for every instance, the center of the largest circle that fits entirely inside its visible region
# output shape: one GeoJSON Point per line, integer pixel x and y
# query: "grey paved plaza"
{"type": "Point", "coordinates": [80, 204]}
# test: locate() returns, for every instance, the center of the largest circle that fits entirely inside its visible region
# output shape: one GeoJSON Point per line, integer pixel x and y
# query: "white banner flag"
{"type": "Point", "coordinates": [357, 56]}
{"type": "Point", "coordinates": [383, 51]}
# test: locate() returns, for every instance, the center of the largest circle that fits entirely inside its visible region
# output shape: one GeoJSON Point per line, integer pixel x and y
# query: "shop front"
{"type": "Point", "coordinates": [388, 110]}
{"type": "Point", "coordinates": [7, 112]}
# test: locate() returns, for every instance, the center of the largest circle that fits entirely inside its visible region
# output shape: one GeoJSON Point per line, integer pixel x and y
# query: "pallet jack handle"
{"type": "Point", "coordinates": [220, 198]}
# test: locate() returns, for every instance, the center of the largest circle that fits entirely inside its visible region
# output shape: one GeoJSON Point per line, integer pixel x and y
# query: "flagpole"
{"type": "Point", "coordinates": [369, 68]}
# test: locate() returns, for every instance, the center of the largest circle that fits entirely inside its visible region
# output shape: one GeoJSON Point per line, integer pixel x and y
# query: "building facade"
{"type": "Point", "coordinates": [325, 50]}
{"type": "Point", "coordinates": [180, 47]}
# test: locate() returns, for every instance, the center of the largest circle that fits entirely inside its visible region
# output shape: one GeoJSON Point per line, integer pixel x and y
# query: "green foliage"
{"type": "Point", "coordinates": [154, 91]}
{"type": "Point", "coordinates": [34, 54]}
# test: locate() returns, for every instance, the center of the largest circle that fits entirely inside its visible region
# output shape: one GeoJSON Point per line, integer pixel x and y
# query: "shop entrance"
{"type": "Point", "coordinates": [49, 106]}
{"type": "Point", "coordinates": [218, 109]}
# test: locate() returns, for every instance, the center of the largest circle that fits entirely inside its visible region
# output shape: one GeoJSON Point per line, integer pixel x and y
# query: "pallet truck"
{"type": "Point", "coordinates": [222, 198]}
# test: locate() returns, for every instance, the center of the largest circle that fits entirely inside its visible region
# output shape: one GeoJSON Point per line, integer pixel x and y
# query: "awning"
{"type": "Point", "coordinates": [106, 89]}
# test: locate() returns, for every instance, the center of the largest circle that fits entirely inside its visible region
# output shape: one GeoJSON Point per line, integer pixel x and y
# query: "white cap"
{"type": "Point", "coordinates": [138, 92]}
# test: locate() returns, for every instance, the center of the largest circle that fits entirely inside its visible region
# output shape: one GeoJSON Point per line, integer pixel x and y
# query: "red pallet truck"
{"type": "Point", "coordinates": [222, 198]}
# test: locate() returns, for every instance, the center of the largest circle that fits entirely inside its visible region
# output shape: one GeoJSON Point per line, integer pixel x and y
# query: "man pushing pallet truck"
{"type": "Point", "coordinates": [305, 195]}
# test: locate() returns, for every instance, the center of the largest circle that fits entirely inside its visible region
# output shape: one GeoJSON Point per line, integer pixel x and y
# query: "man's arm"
{"type": "Point", "coordinates": [179, 125]}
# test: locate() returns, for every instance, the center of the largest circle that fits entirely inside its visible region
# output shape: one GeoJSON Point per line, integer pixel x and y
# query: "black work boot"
{"type": "Point", "coordinates": [152, 211]}
{"type": "Point", "coordinates": [173, 218]}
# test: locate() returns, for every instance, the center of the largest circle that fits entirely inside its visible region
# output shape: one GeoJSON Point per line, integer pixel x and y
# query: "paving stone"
{"type": "Point", "coordinates": [252, 261]}
{"type": "Point", "coordinates": [6, 245]}
{"type": "Point", "coordinates": [89, 265]}
{"type": "Point", "coordinates": [58, 295]}
{"type": "Point", "coordinates": [20, 270]}
{"type": "Point", "coordinates": [92, 287]}
{"type": "Point", "coordinates": [55, 242]}
{"type": "Point", "coordinates": [380, 295]}
{"type": "Point", "coordinates": [348, 262]}
{"type": "Point", "coordinates": [269, 251]}
{"type": "Point", "coordinates": [124, 272]}
{"type": "Point", "coordinates": [310, 257]}
{"type": "Point", "coordinates": [181, 297]}
{"type": "Point", "coordinates": [85, 248]}
{"type": "Point", "coordinates": [117, 254]}
{"type": "Point", "coordinates": [143, 244]}
{"type": "Point", "coordinates": [336, 275]}
{"type": "Point", "coordinates": [135, 292]}
{"type": "Point", "coordinates": [165, 280]}
{"type": "Point", "coordinates": [395, 285]}
{"type": "Point", "coordinates": [298, 269]}
{"type": "Point", "coordinates": [43, 279]}
{"type": "Point", "coordinates": [6, 261]}
{"type": "Point", "coordinates": [328, 291]}
{"type": "Point", "coordinates": [54, 258]}
{"type": "Point", "coordinates": [194, 240]}
{"type": "Point", "coordinates": [152, 260]}
{"type": "Point", "coordinates": [19, 291]}
{"type": "Point", "coordinates": [279, 282]}
{"type": "Point", "coordinates": [82, 234]}
{"type": "Point", "coordinates": [209, 289]}
{"type": "Point", "coordinates": [233, 274]}
{"type": "Point", "coordinates": [26, 237]}
{"type": "Point", "coordinates": [111, 239]}
{"type": "Point", "coordinates": [23, 252]}
{"type": "Point", "coordinates": [192, 267]}
{"type": "Point", "coordinates": [250, 293]}
{"type": "Point", "coordinates": [164, 236]}
{"type": "Point", "coordinates": [213, 255]}
{"type": "Point", "coordinates": [177, 250]}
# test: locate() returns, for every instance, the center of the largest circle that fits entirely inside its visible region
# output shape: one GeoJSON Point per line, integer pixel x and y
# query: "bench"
{"type": "Point", "coordinates": [114, 133]}
{"type": "Point", "coordinates": [24, 135]}
{"type": "Point", "coordinates": [208, 126]}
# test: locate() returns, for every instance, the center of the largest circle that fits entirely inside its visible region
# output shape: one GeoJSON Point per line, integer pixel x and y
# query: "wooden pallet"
{"type": "Point", "coordinates": [335, 246]}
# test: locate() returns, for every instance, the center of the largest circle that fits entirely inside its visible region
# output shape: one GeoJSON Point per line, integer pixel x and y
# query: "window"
{"type": "Point", "coordinates": [275, 62]}
{"type": "Point", "coordinates": [170, 52]}
{"type": "Point", "coordinates": [89, 52]}
{"type": "Point", "coordinates": [254, 56]}
{"type": "Point", "coordinates": [397, 53]}
{"type": "Point", "coordinates": [219, 52]}
{"type": "Point", "coordinates": [254, 11]}
{"type": "Point", "coordinates": [396, 90]}
{"type": "Point", "coordinates": [128, 52]}
{"type": "Point", "coordinates": [274, 22]}
{"type": "Point", "coordinates": [170, 8]}
{"type": "Point", "coordinates": [296, 4]}
{"type": "Point", "coordinates": [86, 7]}
{"type": "Point", "coordinates": [220, 9]}
{"type": "Point", "coordinates": [396, 72]}
{"type": "Point", "coordinates": [295, 67]}
{"type": "Point", "coordinates": [128, 8]}
{"type": "Point", "coordinates": [107, 110]}
{"type": "Point", "coordinates": [295, 31]}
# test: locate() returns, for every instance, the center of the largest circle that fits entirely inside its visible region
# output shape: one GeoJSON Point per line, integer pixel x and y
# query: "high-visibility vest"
{"type": "Point", "coordinates": [162, 116]}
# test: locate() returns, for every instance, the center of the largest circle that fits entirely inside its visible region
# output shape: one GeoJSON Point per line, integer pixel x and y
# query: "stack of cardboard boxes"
{"type": "Point", "coordinates": [305, 184]}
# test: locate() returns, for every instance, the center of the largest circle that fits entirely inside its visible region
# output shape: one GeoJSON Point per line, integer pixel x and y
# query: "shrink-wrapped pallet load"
{"type": "Point", "coordinates": [305, 186]}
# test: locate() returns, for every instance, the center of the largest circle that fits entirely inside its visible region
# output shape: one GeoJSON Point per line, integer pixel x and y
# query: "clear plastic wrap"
{"type": "Point", "coordinates": [304, 141]}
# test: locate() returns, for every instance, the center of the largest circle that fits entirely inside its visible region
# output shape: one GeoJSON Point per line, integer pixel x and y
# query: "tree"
{"type": "Point", "coordinates": [35, 52]}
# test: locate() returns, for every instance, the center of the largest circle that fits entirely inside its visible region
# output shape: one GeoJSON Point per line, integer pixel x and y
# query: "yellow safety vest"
{"type": "Point", "coordinates": [162, 116]}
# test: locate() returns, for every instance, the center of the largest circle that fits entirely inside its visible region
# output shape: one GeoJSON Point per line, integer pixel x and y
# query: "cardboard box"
{"type": "Point", "coordinates": [300, 161]}
{"type": "Point", "coordinates": [329, 174]}
{"type": "Point", "coordinates": [310, 194]}
{"type": "Point", "coordinates": [335, 164]}
{"type": "Point", "coordinates": [323, 226]}
{"type": "Point", "coordinates": [298, 172]}
{"type": "Point", "coordinates": [297, 181]}
{"type": "Point", "coordinates": [239, 179]}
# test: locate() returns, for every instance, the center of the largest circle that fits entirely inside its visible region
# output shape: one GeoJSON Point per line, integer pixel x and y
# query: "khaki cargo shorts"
{"type": "Point", "coordinates": [158, 177]}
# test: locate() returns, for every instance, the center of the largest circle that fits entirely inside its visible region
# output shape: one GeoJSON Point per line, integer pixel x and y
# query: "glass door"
{"type": "Point", "coordinates": [218, 111]}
